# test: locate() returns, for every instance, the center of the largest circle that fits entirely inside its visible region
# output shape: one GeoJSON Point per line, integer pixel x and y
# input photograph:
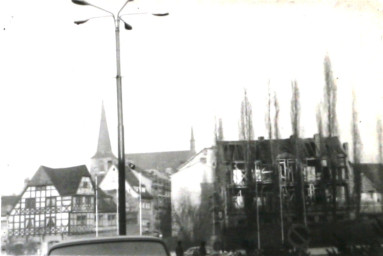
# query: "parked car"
{"type": "Point", "coordinates": [194, 251]}
{"type": "Point", "coordinates": [121, 245]}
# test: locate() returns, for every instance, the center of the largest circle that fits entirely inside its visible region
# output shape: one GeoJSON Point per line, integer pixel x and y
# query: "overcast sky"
{"type": "Point", "coordinates": [179, 71]}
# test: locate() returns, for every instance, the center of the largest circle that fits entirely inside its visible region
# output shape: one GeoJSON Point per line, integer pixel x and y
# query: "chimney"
{"type": "Point", "coordinates": [345, 147]}
{"type": "Point", "coordinates": [261, 138]}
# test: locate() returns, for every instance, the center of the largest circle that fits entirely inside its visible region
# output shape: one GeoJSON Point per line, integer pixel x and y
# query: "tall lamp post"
{"type": "Point", "coordinates": [121, 151]}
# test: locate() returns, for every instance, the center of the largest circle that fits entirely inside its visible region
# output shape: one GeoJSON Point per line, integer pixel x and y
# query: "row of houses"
{"type": "Point", "coordinates": [81, 201]}
{"type": "Point", "coordinates": [163, 188]}
{"type": "Point", "coordinates": [312, 185]}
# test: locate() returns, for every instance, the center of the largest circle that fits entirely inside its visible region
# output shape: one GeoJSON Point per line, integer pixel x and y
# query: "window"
{"type": "Point", "coordinates": [77, 201]}
{"type": "Point", "coordinates": [85, 184]}
{"type": "Point", "coordinates": [146, 205]}
{"type": "Point", "coordinates": [50, 202]}
{"type": "Point", "coordinates": [50, 222]}
{"type": "Point", "coordinates": [29, 222]}
{"type": "Point", "coordinates": [81, 220]}
{"type": "Point", "coordinates": [30, 203]}
{"type": "Point", "coordinates": [88, 200]}
{"type": "Point", "coordinates": [112, 220]}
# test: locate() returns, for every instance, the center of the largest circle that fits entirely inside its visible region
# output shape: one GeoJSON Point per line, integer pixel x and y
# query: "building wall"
{"type": "Point", "coordinates": [186, 189]}
{"type": "Point", "coordinates": [36, 214]}
{"type": "Point", "coordinates": [101, 165]}
{"type": "Point", "coordinates": [371, 202]}
{"type": "Point", "coordinates": [188, 179]}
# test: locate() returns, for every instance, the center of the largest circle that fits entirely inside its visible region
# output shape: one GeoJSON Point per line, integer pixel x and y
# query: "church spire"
{"type": "Point", "coordinates": [192, 142]}
{"type": "Point", "coordinates": [104, 148]}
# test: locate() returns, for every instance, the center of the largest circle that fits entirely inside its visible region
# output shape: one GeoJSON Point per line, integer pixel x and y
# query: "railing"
{"type": "Point", "coordinates": [81, 229]}
{"type": "Point", "coordinates": [51, 209]}
{"type": "Point", "coordinates": [38, 231]}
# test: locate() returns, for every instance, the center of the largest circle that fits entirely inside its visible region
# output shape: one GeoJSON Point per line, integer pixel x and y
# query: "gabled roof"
{"type": "Point", "coordinates": [7, 203]}
{"type": "Point", "coordinates": [159, 160]}
{"type": "Point", "coordinates": [373, 176]}
{"type": "Point", "coordinates": [132, 179]}
{"type": "Point", "coordinates": [193, 157]}
{"type": "Point", "coordinates": [66, 180]}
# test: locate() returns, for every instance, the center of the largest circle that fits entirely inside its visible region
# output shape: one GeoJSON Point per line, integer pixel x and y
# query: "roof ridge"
{"type": "Point", "coordinates": [159, 152]}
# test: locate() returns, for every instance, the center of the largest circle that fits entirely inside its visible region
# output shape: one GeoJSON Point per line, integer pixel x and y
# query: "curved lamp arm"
{"type": "Point", "coordinates": [83, 2]}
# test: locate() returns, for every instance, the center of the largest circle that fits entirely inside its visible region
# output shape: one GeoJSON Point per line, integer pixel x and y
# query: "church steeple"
{"type": "Point", "coordinates": [104, 158]}
{"type": "Point", "coordinates": [192, 142]}
{"type": "Point", "coordinates": [104, 148]}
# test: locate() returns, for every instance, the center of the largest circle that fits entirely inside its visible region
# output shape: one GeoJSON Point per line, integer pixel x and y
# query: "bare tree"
{"type": "Point", "coordinates": [218, 131]}
{"type": "Point", "coordinates": [295, 126]}
{"type": "Point", "coordinates": [276, 150]}
{"type": "Point", "coordinates": [276, 117]}
{"type": "Point", "coordinates": [246, 134]}
{"type": "Point", "coordinates": [356, 151]}
{"type": "Point", "coordinates": [330, 98]}
{"type": "Point", "coordinates": [268, 122]}
{"type": "Point", "coordinates": [191, 220]}
{"type": "Point", "coordinates": [322, 191]}
{"type": "Point", "coordinates": [246, 131]}
{"type": "Point", "coordinates": [379, 131]}
{"type": "Point", "coordinates": [295, 109]}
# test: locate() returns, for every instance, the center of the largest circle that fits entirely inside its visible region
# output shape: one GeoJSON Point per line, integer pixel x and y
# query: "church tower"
{"type": "Point", "coordinates": [104, 157]}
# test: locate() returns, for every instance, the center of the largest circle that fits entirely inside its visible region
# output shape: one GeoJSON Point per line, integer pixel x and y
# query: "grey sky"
{"type": "Point", "coordinates": [178, 71]}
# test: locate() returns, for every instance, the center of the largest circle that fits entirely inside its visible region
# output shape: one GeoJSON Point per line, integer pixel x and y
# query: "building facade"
{"type": "Point", "coordinates": [273, 184]}
{"type": "Point", "coordinates": [191, 188]}
{"type": "Point", "coordinates": [371, 203]}
{"type": "Point", "coordinates": [139, 206]}
{"type": "Point", "coordinates": [57, 204]}
{"type": "Point", "coordinates": [155, 169]}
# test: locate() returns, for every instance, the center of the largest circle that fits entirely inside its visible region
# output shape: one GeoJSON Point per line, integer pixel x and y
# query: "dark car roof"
{"type": "Point", "coordinates": [107, 239]}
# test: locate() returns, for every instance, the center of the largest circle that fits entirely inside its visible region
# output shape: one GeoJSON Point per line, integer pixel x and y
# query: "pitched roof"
{"type": "Point", "coordinates": [373, 176]}
{"type": "Point", "coordinates": [194, 156]}
{"type": "Point", "coordinates": [66, 180]}
{"type": "Point", "coordinates": [132, 179]}
{"type": "Point", "coordinates": [261, 149]}
{"type": "Point", "coordinates": [159, 160]}
{"type": "Point", "coordinates": [104, 148]}
{"type": "Point", "coordinates": [7, 203]}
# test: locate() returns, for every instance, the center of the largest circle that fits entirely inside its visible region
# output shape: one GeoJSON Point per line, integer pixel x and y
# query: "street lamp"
{"type": "Point", "coordinates": [121, 152]}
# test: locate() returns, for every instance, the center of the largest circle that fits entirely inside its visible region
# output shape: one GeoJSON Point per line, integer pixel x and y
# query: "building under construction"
{"type": "Point", "coordinates": [262, 187]}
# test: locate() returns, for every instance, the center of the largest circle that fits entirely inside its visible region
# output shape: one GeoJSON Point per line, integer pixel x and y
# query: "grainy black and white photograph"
{"type": "Point", "coordinates": [191, 127]}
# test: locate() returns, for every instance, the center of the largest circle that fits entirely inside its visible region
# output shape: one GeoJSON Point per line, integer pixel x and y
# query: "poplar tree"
{"type": "Point", "coordinates": [356, 151]}
{"type": "Point", "coordinates": [330, 100]}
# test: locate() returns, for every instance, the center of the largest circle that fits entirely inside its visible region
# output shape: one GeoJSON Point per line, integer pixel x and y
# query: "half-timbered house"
{"type": "Point", "coordinates": [55, 202]}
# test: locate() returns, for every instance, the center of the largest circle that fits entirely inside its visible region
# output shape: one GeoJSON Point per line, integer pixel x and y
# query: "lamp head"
{"type": "Point", "coordinates": [127, 26]}
{"type": "Point", "coordinates": [80, 2]}
{"type": "Point", "coordinates": [79, 22]}
{"type": "Point", "coordinates": [160, 14]}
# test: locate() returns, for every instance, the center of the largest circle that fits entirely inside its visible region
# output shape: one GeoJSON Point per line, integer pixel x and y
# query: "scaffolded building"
{"type": "Point", "coordinates": [265, 186]}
